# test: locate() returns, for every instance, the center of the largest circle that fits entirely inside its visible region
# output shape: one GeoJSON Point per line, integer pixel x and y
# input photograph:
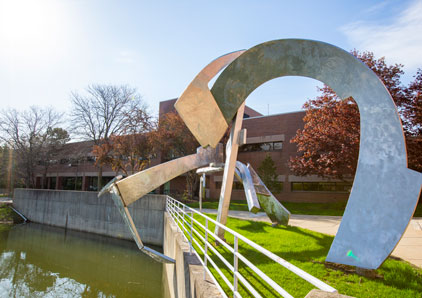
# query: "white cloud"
{"type": "Point", "coordinates": [400, 41]}
{"type": "Point", "coordinates": [375, 8]}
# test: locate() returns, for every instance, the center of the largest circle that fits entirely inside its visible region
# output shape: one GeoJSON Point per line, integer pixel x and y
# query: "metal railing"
{"type": "Point", "coordinates": [183, 216]}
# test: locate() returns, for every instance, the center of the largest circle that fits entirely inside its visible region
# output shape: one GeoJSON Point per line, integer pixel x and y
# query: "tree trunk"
{"type": "Point", "coordinates": [44, 178]}
{"type": "Point", "coordinates": [191, 183]}
{"type": "Point", "coordinates": [100, 178]}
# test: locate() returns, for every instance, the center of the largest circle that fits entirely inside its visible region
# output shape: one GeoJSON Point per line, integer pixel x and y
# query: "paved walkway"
{"type": "Point", "coordinates": [409, 247]}
{"type": "Point", "coordinates": [6, 200]}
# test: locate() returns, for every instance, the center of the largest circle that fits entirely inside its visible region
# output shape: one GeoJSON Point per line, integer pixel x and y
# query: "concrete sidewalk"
{"type": "Point", "coordinates": [409, 247]}
{"type": "Point", "coordinates": [6, 200]}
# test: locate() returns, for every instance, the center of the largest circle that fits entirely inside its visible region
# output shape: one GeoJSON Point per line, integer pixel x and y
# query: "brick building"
{"type": "Point", "coordinates": [271, 135]}
{"type": "Point", "coordinates": [74, 167]}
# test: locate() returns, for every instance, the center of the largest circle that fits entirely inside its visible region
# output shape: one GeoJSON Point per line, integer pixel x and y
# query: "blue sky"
{"type": "Point", "coordinates": [49, 48]}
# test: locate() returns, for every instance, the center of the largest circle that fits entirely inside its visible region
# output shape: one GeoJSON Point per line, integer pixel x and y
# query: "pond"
{"type": "Point", "coordinates": [43, 261]}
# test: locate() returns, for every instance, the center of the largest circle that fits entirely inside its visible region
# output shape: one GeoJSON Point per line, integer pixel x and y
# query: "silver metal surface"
{"type": "Point", "coordinates": [232, 148]}
{"type": "Point", "coordinates": [235, 264]}
{"type": "Point", "coordinates": [124, 212]}
{"type": "Point", "coordinates": [242, 137]}
{"type": "Point", "coordinates": [197, 106]}
{"type": "Point", "coordinates": [258, 196]}
{"type": "Point", "coordinates": [385, 192]}
{"type": "Point", "coordinates": [20, 214]}
{"type": "Point", "coordinates": [179, 212]}
{"type": "Point", "coordinates": [202, 185]}
{"type": "Point", "coordinates": [278, 214]}
{"type": "Point", "coordinates": [244, 175]}
{"type": "Point", "coordinates": [209, 170]}
{"type": "Point", "coordinates": [135, 186]}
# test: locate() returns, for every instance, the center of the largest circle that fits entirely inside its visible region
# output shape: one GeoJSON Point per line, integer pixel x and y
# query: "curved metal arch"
{"type": "Point", "coordinates": [385, 192]}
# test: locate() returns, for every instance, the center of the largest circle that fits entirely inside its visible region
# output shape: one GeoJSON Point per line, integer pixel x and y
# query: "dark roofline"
{"type": "Point", "coordinates": [273, 115]}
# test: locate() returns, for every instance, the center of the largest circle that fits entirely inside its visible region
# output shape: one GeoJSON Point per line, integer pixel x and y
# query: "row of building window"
{"type": "Point", "coordinates": [259, 147]}
{"type": "Point", "coordinates": [75, 183]}
{"type": "Point", "coordinates": [305, 186]}
{"type": "Point", "coordinates": [239, 185]}
{"type": "Point", "coordinates": [76, 161]}
{"type": "Point", "coordinates": [69, 161]}
{"type": "Point", "coordinates": [322, 186]}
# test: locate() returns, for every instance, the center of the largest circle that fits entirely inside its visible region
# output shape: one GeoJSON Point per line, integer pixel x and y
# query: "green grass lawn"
{"type": "Point", "coordinates": [331, 209]}
{"type": "Point", "coordinates": [308, 250]}
{"type": "Point", "coordinates": [6, 214]}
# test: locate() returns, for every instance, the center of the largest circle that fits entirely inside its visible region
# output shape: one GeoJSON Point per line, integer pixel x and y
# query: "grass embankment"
{"type": "Point", "coordinates": [7, 215]}
{"type": "Point", "coordinates": [308, 250]}
{"type": "Point", "coordinates": [329, 209]}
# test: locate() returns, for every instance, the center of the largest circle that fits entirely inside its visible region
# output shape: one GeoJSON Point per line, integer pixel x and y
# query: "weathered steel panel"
{"type": "Point", "coordinates": [132, 188]}
{"type": "Point", "coordinates": [198, 108]}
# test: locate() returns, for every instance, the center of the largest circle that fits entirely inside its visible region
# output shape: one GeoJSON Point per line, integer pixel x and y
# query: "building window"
{"type": "Point", "coordinates": [90, 158]}
{"type": "Point", "coordinates": [322, 186]}
{"type": "Point", "coordinates": [269, 146]}
{"type": "Point", "coordinates": [236, 185]}
{"type": "Point", "coordinates": [52, 182]}
{"type": "Point", "coordinates": [64, 161]}
{"type": "Point", "coordinates": [72, 183]}
{"type": "Point", "coordinates": [92, 184]}
{"type": "Point", "coordinates": [281, 186]}
{"type": "Point", "coordinates": [239, 185]}
{"type": "Point", "coordinates": [105, 180]}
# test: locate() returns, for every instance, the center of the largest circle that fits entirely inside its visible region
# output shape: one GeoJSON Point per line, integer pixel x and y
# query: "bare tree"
{"type": "Point", "coordinates": [103, 111]}
{"type": "Point", "coordinates": [28, 134]}
{"type": "Point", "coordinates": [54, 141]}
{"type": "Point", "coordinates": [130, 151]}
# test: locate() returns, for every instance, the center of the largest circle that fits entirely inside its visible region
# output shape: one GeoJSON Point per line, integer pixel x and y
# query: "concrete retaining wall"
{"type": "Point", "coordinates": [186, 277]}
{"type": "Point", "coordinates": [84, 211]}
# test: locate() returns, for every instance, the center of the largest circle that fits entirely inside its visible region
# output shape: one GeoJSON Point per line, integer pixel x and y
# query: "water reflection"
{"type": "Point", "coordinates": [43, 261]}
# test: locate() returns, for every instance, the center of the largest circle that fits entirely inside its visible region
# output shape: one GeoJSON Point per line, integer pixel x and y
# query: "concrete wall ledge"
{"type": "Point", "coordinates": [186, 277]}
{"type": "Point", "coordinates": [84, 211]}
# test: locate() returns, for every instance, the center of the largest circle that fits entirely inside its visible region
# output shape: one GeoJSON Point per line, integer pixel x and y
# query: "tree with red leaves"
{"type": "Point", "coordinates": [173, 139]}
{"type": "Point", "coordinates": [413, 123]}
{"type": "Point", "coordinates": [328, 145]}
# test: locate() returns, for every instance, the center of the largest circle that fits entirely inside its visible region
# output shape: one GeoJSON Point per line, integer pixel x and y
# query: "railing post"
{"type": "Point", "coordinates": [206, 247]}
{"type": "Point", "coordinates": [183, 211]}
{"type": "Point", "coordinates": [235, 265]}
{"type": "Point", "coordinates": [191, 232]}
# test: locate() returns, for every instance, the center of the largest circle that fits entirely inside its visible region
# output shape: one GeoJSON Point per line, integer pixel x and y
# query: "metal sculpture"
{"type": "Point", "coordinates": [136, 186]}
{"type": "Point", "coordinates": [126, 191]}
{"type": "Point", "coordinates": [197, 106]}
{"type": "Point", "coordinates": [124, 212]}
{"type": "Point", "coordinates": [259, 196]}
{"type": "Point", "coordinates": [193, 106]}
{"type": "Point", "coordinates": [212, 168]}
{"type": "Point", "coordinates": [385, 192]}
{"type": "Point", "coordinates": [232, 148]}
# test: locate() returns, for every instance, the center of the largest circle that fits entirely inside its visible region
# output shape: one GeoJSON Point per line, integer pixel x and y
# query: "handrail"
{"type": "Point", "coordinates": [179, 211]}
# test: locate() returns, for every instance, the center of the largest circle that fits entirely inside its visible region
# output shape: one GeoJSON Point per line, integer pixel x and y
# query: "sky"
{"type": "Point", "coordinates": [50, 48]}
